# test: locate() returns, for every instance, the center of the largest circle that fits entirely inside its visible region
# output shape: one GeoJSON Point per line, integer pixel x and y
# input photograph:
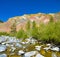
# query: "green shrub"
{"type": "Point", "coordinates": [21, 34]}
{"type": "Point", "coordinates": [4, 33]}
{"type": "Point", "coordinates": [28, 28]}
{"type": "Point", "coordinates": [50, 32]}
{"type": "Point", "coordinates": [28, 25]}
{"type": "Point", "coordinates": [34, 30]}
{"type": "Point", "coordinates": [13, 29]}
{"type": "Point", "coordinates": [12, 34]}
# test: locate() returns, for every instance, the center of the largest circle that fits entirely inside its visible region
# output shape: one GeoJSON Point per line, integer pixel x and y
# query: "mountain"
{"type": "Point", "coordinates": [22, 20]}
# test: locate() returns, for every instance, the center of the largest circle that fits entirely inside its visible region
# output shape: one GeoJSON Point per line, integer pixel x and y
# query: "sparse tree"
{"type": "Point", "coordinates": [51, 19]}
{"type": "Point", "coordinates": [28, 25]}
{"type": "Point", "coordinates": [21, 34]}
{"type": "Point", "coordinates": [34, 31]}
{"type": "Point", "coordinates": [13, 28]}
{"type": "Point", "coordinates": [28, 28]}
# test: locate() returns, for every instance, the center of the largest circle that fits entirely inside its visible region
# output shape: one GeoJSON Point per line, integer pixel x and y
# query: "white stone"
{"type": "Point", "coordinates": [23, 42]}
{"type": "Point", "coordinates": [54, 55]}
{"type": "Point", "coordinates": [29, 54]}
{"type": "Point", "coordinates": [46, 48]}
{"type": "Point", "coordinates": [2, 39]}
{"type": "Point", "coordinates": [18, 45]}
{"type": "Point", "coordinates": [20, 52]}
{"type": "Point", "coordinates": [38, 47]}
{"type": "Point", "coordinates": [7, 45]}
{"type": "Point", "coordinates": [2, 48]}
{"type": "Point", "coordinates": [3, 55]}
{"type": "Point", "coordinates": [55, 49]}
{"type": "Point", "coordinates": [3, 43]}
{"type": "Point", "coordinates": [31, 40]}
{"type": "Point", "coordinates": [39, 55]}
{"type": "Point", "coordinates": [13, 49]}
{"type": "Point", "coordinates": [48, 44]}
{"type": "Point", "coordinates": [11, 45]}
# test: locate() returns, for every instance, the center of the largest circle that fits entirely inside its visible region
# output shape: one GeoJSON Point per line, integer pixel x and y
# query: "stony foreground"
{"type": "Point", "coordinates": [13, 47]}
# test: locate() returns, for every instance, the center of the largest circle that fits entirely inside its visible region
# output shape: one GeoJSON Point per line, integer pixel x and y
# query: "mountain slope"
{"type": "Point", "coordinates": [22, 20]}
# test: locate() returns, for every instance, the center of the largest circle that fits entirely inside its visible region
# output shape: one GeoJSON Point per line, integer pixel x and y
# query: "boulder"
{"type": "Point", "coordinates": [2, 39]}
{"type": "Point", "coordinates": [2, 48]}
{"type": "Point", "coordinates": [3, 55]}
{"type": "Point", "coordinates": [55, 49]}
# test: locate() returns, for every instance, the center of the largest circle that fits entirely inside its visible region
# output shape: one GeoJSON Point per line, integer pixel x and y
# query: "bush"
{"type": "Point", "coordinates": [34, 30]}
{"type": "Point", "coordinates": [13, 29]}
{"type": "Point", "coordinates": [4, 33]}
{"type": "Point", "coordinates": [47, 33]}
{"type": "Point", "coordinates": [28, 28]}
{"type": "Point", "coordinates": [21, 34]}
{"type": "Point", "coordinates": [50, 32]}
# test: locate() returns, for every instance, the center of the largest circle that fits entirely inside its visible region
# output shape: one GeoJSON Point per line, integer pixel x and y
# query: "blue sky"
{"type": "Point", "coordinates": [11, 8]}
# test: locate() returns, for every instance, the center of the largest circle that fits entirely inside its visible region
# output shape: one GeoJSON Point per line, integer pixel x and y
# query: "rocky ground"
{"type": "Point", "coordinates": [13, 47]}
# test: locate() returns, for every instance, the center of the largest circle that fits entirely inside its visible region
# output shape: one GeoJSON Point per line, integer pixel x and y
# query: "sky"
{"type": "Point", "coordinates": [11, 8]}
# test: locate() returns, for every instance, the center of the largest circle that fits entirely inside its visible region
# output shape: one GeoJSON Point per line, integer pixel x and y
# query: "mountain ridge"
{"type": "Point", "coordinates": [21, 20]}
